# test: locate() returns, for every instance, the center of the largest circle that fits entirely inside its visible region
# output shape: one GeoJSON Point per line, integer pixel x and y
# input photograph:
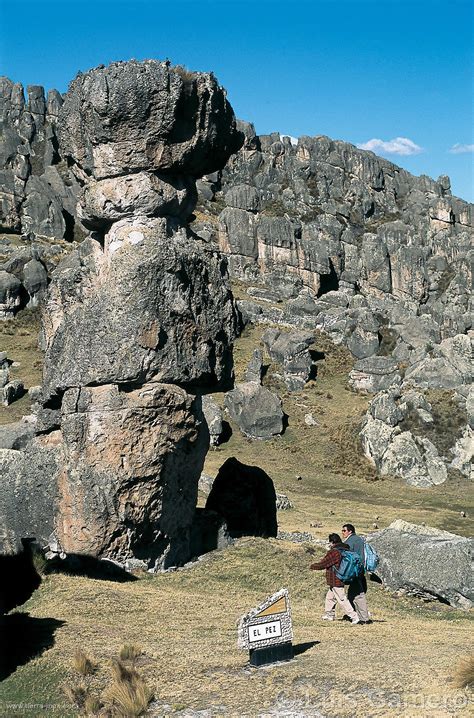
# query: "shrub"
{"type": "Point", "coordinates": [82, 664]}
{"type": "Point", "coordinates": [128, 695]}
{"type": "Point", "coordinates": [464, 675]}
{"type": "Point", "coordinates": [130, 651]}
{"type": "Point", "coordinates": [76, 694]}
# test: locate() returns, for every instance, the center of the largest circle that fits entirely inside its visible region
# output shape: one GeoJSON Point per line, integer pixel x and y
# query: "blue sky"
{"type": "Point", "coordinates": [356, 70]}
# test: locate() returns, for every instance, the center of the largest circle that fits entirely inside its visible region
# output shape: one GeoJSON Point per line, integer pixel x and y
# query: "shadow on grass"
{"type": "Point", "coordinates": [299, 648]}
{"type": "Point", "coordinates": [22, 638]}
{"type": "Point", "coordinates": [76, 564]}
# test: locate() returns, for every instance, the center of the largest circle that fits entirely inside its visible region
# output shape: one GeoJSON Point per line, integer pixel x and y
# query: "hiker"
{"type": "Point", "coordinates": [336, 593]}
{"type": "Point", "coordinates": [356, 593]}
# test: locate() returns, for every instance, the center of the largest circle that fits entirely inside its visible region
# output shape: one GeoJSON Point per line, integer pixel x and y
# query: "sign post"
{"type": "Point", "coordinates": [266, 631]}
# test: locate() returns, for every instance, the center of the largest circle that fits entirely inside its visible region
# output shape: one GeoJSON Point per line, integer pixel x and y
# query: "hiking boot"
{"type": "Point", "coordinates": [355, 621]}
{"type": "Point", "coordinates": [327, 617]}
{"type": "Point", "coordinates": [346, 617]}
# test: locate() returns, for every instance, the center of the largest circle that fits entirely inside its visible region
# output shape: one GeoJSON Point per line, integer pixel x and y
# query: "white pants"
{"type": "Point", "coordinates": [338, 595]}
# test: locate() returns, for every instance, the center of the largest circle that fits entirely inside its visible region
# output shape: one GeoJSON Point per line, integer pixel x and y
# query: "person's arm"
{"type": "Point", "coordinates": [330, 559]}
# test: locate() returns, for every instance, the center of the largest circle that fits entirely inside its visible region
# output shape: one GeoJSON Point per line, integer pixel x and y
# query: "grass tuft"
{"type": "Point", "coordinates": [83, 664]}
{"type": "Point", "coordinates": [130, 651]}
{"type": "Point", "coordinates": [128, 695]}
{"type": "Point", "coordinates": [464, 674]}
{"type": "Point", "coordinates": [92, 706]}
{"type": "Point", "coordinates": [76, 694]}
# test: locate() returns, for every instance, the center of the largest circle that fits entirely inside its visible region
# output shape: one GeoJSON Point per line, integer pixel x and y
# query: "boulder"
{"type": "Point", "coordinates": [10, 295]}
{"type": "Point", "coordinates": [290, 349]}
{"type": "Point", "coordinates": [245, 497]}
{"type": "Point", "coordinates": [255, 367]}
{"type": "Point", "coordinates": [134, 116]}
{"type": "Point", "coordinates": [375, 374]}
{"type": "Point", "coordinates": [28, 495]}
{"type": "Point", "coordinates": [143, 193]}
{"type": "Point", "coordinates": [256, 411]}
{"type": "Point", "coordinates": [213, 416]}
{"type": "Point", "coordinates": [35, 281]}
{"type": "Point", "coordinates": [463, 452]}
{"type": "Point", "coordinates": [12, 391]}
{"type": "Point", "coordinates": [427, 560]}
{"type": "Point", "coordinates": [414, 460]}
{"type": "Point", "coordinates": [434, 373]}
{"type": "Point", "coordinates": [128, 482]}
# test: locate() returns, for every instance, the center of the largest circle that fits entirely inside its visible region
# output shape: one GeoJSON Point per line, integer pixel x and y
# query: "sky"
{"type": "Point", "coordinates": [394, 76]}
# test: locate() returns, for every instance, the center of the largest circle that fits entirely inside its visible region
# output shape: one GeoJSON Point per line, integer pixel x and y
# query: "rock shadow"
{"type": "Point", "coordinates": [18, 578]}
{"type": "Point", "coordinates": [22, 638]}
{"type": "Point", "coordinates": [76, 564]}
{"type": "Point", "coordinates": [299, 648]}
{"type": "Point", "coordinates": [245, 497]}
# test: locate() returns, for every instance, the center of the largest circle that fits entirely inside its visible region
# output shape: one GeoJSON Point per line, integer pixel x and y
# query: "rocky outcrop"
{"type": "Point", "coordinates": [325, 215]}
{"type": "Point", "coordinates": [37, 193]}
{"type": "Point", "coordinates": [424, 560]}
{"type": "Point", "coordinates": [137, 317]}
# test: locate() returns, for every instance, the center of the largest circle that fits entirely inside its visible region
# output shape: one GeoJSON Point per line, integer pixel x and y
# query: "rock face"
{"type": "Point", "coordinates": [245, 497]}
{"type": "Point", "coordinates": [426, 560]}
{"type": "Point", "coordinates": [37, 193]}
{"type": "Point", "coordinates": [136, 317]}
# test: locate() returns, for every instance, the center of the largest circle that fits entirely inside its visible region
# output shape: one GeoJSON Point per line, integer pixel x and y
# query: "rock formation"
{"type": "Point", "coordinates": [426, 561]}
{"type": "Point", "coordinates": [137, 317]}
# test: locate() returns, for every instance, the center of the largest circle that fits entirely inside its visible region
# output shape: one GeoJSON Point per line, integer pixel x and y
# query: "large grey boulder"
{"type": "Point", "coordinates": [255, 410]}
{"type": "Point", "coordinates": [133, 116]}
{"type": "Point", "coordinates": [426, 560]}
{"type": "Point", "coordinates": [414, 459]}
{"type": "Point", "coordinates": [290, 349]}
{"type": "Point", "coordinates": [143, 193]}
{"type": "Point", "coordinates": [10, 295]}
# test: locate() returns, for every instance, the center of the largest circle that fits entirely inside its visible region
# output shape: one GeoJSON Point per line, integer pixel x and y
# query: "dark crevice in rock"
{"type": "Point", "coordinates": [329, 282]}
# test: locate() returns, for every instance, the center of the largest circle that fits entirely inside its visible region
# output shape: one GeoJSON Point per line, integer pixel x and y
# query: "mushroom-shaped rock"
{"type": "Point", "coordinates": [132, 116]}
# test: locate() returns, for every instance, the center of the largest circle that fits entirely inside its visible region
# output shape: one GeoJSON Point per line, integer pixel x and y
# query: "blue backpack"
{"type": "Point", "coordinates": [371, 558]}
{"type": "Point", "coordinates": [350, 567]}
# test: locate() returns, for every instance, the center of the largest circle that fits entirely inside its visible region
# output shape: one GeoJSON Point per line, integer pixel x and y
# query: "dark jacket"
{"type": "Point", "coordinates": [331, 562]}
{"type": "Point", "coordinates": [356, 544]}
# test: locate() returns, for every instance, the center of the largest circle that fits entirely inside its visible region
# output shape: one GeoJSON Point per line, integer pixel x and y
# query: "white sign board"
{"type": "Point", "coordinates": [261, 631]}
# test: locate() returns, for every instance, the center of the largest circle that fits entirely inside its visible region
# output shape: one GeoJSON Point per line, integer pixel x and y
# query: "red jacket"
{"type": "Point", "coordinates": [331, 562]}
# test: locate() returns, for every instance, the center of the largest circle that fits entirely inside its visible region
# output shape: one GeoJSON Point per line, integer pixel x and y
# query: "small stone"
{"type": "Point", "coordinates": [299, 478]}
{"type": "Point", "coordinates": [309, 420]}
{"type": "Point", "coordinates": [463, 514]}
{"type": "Point", "coordinates": [315, 525]}
{"type": "Point", "coordinates": [375, 525]}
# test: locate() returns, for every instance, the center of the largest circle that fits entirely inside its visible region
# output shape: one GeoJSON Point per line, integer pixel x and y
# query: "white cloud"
{"type": "Point", "coordinates": [397, 146]}
{"type": "Point", "coordinates": [458, 149]}
{"type": "Point", "coordinates": [293, 140]}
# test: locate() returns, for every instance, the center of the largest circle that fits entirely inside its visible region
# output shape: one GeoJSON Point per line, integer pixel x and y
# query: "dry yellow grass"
{"type": "Point", "coordinates": [186, 622]}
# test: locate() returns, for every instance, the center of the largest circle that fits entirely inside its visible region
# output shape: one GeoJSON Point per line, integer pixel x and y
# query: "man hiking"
{"type": "Point", "coordinates": [336, 593]}
{"type": "Point", "coordinates": [358, 587]}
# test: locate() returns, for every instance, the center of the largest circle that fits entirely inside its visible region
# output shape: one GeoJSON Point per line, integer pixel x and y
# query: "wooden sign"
{"type": "Point", "coordinates": [266, 631]}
